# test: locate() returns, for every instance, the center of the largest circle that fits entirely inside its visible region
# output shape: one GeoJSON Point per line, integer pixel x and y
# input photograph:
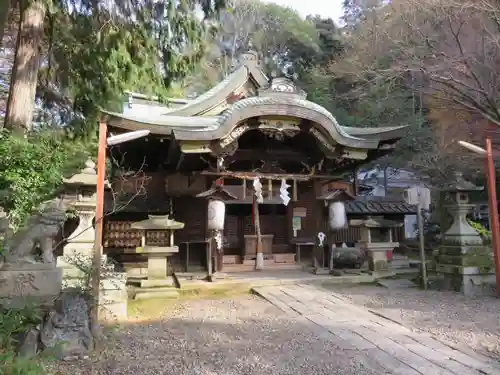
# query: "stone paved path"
{"type": "Point", "coordinates": [384, 343]}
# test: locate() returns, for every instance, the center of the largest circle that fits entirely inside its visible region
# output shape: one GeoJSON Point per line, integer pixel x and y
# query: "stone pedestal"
{"type": "Point", "coordinates": [376, 241]}
{"type": "Point", "coordinates": [468, 269]}
{"type": "Point", "coordinates": [37, 283]}
{"type": "Point", "coordinates": [378, 262]}
{"type": "Point", "coordinates": [463, 264]}
{"type": "Point", "coordinates": [158, 266]}
{"type": "Point", "coordinates": [113, 297]}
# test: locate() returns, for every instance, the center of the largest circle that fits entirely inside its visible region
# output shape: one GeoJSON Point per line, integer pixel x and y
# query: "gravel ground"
{"type": "Point", "coordinates": [474, 322]}
{"type": "Point", "coordinates": [243, 335]}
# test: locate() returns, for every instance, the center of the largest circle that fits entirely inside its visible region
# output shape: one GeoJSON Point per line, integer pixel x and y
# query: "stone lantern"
{"type": "Point", "coordinates": [460, 230]}
{"type": "Point", "coordinates": [157, 250]}
{"type": "Point", "coordinates": [376, 240]}
{"type": "Point", "coordinates": [216, 214]}
{"type": "Point", "coordinates": [463, 263]}
{"type": "Point", "coordinates": [80, 190]}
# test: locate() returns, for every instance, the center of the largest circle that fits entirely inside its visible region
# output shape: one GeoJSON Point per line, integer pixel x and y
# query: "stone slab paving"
{"type": "Point", "coordinates": [397, 283]}
{"type": "Point", "coordinates": [391, 346]}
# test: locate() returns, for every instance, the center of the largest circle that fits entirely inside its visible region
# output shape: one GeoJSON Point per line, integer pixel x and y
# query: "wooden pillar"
{"type": "Point", "coordinates": [209, 245]}
{"type": "Point", "coordinates": [318, 227]}
{"type": "Point", "coordinates": [355, 182]}
{"type": "Point", "coordinates": [259, 256]}
{"type": "Point", "coordinates": [219, 255]}
{"type": "Point", "coordinates": [209, 258]}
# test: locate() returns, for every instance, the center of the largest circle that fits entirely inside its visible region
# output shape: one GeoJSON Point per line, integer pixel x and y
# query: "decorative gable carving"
{"type": "Point", "coordinates": [283, 87]}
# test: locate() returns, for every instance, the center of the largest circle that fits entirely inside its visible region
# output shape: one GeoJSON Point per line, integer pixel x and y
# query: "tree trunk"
{"type": "Point", "coordinates": [22, 92]}
{"type": "Point", "coordinates": [259, 257]}
{"type": "Point", "coordinates": [4, 16]}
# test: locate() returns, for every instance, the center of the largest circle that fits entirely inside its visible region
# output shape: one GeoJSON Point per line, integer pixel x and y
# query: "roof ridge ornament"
{"type": "Point", "coordinates": [282, 86]}
{"type": "Point", "coordinates": [250, 59]}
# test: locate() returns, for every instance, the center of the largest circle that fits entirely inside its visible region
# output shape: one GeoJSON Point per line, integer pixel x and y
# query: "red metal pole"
{"type": "Point", "coordinates": [99, 213]}
{"type": "Point", "coordinates": [493, 207]}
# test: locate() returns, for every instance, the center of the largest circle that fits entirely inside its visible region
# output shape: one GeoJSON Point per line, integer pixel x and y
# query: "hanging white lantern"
{"type": "Point", "coordinates": [216, 214]}
{"type": "Point", "coordinates": [336, 215]}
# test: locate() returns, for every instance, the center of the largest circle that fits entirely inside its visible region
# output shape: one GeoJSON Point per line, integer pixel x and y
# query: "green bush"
{"type": "Point", "coordinates": [481, 230]}
{"type": "Point", "coordinates": [13, 324]}
{"type": "Point", "coordinates": [32, 168]}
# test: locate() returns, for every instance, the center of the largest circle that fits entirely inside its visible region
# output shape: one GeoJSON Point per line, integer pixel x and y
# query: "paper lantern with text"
{"type": "Point", "coordinates": [334, 200]}
{"type": "Point", "coordinates": [216, 214]}
{"type": "Point", "coordinates": [337, 218]}
{"type": "Point", "coordinates": [216, 206]}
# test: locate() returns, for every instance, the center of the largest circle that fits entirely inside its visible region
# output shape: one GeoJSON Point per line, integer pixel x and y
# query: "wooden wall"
{"type": "Point", "coordinates": [275, 219]}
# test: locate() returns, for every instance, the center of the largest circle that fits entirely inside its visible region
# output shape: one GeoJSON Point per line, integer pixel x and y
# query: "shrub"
{"type": "Point", "coordinates": [14, 323]}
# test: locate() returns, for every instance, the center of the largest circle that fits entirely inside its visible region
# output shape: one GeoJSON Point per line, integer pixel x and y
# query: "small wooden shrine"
{"type": "Point", "coordinates": [272, 150]}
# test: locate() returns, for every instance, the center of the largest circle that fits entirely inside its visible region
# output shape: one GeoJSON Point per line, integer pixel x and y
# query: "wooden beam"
{"type": "Point", "coordinates": [271, 176]}
{"type": "Point", "coordinates": [255, 155]}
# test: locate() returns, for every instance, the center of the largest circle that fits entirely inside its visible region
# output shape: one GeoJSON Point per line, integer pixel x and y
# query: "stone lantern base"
{"type": "Point", "coordinates": [113, 295]}
{"type": "Point", "coordinates": [468, 269]}
{"type": "Point", "coordinates": [38, 284]}
{"type": "Point", "coordinates": [378, 261]}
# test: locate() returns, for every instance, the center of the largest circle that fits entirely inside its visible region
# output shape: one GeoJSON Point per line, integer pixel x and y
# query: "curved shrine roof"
{"type": "Point", "coordinates": [246, 94]}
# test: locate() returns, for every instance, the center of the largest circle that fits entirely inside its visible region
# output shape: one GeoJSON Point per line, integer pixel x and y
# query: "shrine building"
{"type": "Point", "coordinates": [261, 143]}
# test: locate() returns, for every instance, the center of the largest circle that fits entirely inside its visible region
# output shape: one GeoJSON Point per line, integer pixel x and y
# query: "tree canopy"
{"type": "Point", "coordinates": [68, 59]}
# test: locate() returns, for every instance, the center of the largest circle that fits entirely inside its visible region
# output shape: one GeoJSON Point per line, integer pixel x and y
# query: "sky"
{"type": "Point", "coordinates": [325, 8]}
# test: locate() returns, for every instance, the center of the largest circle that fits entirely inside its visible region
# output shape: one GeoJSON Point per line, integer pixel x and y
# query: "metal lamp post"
{"type": "Point", "coordinates": [492, 200]}
{"type": "Point", "coordinates": [104, 142]}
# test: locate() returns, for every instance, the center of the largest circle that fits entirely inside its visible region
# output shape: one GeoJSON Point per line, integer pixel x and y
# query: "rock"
{"type": "Point", "coordinates": [29, 343]}
{"type": "Point", "coordinates": [66, 329]}
{"type": "Point", "coordinates": [336, 272]}
{"type": "Point", "coordinates": [347, 257]}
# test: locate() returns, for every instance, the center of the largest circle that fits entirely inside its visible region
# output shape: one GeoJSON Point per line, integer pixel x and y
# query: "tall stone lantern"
{"type": "Point", "coordinates": [216, 215]}
{"type": "Point", "coordinates": [80, 190]}
{"type": "Point", "coordinates": [460, 231]}
{"type": "Point", "coordinates": [463, 263]}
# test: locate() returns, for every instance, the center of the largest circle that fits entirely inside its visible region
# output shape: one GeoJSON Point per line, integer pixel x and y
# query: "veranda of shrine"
{"type": "Point", "coordinates": [246, 127]}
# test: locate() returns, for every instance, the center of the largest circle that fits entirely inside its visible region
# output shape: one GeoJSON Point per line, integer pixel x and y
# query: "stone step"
{"type": "Point", "coordinates": [284, 258]}
{"type": "Point", "coordinates": [190, 275]}
{"type": "Point", "coordinates": [251, 262]}
{"type": "Point", "coordinates": [150, 293]}
{"type": "Point", "coordinates": [268, 267]}
{"type": "Point", "coordinates": [231, 259]}
{"type": "Point", "coordinates": [396, 263]}
{"type": "Point", "coordinates": [157, 283]}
